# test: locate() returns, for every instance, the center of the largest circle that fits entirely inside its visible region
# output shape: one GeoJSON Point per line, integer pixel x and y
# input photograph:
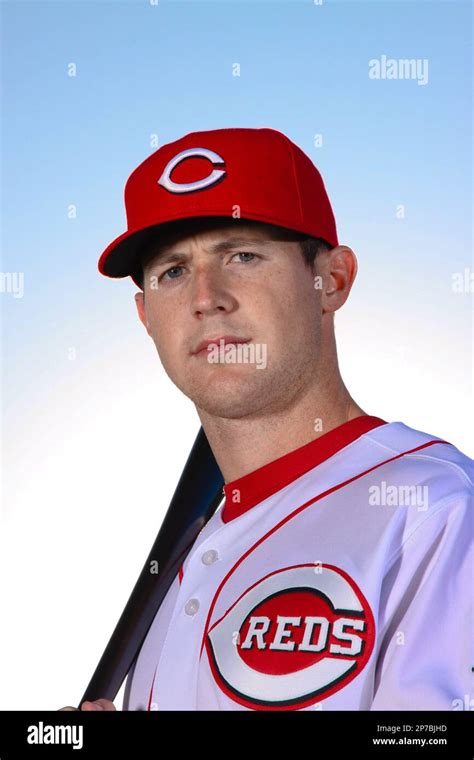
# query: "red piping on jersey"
{"type": "Point", "coordinates": [151, 690]}
{"type": "Point", "coordinates": [297, 511]}
{"type": "Point", "coordinates": [258, 485]}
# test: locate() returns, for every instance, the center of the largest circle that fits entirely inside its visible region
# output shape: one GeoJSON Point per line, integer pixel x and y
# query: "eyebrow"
{"type": "Point", "coordinates": [165, 256]}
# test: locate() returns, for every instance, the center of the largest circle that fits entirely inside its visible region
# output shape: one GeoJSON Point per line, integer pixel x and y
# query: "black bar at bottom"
{"type": "Point", "coordinates": [87, 734]}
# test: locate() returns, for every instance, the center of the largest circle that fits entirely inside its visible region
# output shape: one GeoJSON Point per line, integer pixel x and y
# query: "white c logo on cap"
{"type": "Point", "coordinates": [189, 187]}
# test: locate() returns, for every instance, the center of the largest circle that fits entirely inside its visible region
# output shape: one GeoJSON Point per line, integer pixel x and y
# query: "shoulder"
{"type": "Point", "coordinates": [423, 457]}
{"type": "Point", "coordinates": [424, 485]}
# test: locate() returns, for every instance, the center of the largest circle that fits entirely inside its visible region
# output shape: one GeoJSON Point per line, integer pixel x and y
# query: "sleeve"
{"type": "Point", "coordinates": [426, 654]}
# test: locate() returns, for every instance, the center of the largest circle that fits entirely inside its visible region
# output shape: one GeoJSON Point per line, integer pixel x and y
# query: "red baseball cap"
{"type": "Point", "coordinates": [237, 172]}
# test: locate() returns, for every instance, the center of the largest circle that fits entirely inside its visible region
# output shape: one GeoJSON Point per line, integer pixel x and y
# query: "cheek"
{"type": "Point", "coordinates": [165, 335]}
{"type": "Point", "coordinates": [288, 301]}
{"type": "Point", "coordinates": [294, 321]}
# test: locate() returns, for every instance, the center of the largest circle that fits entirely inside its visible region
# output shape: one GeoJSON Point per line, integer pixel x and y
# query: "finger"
{"type": "Point", "coordinates": [105, 704]}
{"type": "Point", "coordinates": [98, 704]}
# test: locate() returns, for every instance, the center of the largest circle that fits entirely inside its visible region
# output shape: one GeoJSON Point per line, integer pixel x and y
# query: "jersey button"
{"type": "Point", "coordinates": [191, 607]}
{"type": "Point", "coordinates": [209, 557]}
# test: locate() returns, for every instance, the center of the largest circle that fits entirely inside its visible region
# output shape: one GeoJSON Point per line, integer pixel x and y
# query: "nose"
{"type": "Point", "coordinates": [209, 293]}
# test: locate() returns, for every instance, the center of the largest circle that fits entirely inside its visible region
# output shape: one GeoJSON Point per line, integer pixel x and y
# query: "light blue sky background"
{"type": "Point", "coordinates": [89, 416]}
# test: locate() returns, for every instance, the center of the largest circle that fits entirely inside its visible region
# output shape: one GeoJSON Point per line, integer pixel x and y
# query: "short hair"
{"type": "Point", "coordinates": [309, 246]}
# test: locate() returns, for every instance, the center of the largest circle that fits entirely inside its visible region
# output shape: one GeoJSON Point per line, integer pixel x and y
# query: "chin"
{"type": "Point", "coordinates": [224, 410]}
{"type": "Point", "coordinates": [229, 403]}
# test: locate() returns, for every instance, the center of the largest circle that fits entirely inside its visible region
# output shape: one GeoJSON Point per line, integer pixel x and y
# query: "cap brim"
{"type": "Point", "coordinates": [121, 257]}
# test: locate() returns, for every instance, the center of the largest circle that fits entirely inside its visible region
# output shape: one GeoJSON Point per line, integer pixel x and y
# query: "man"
{"type": "Point", "coordinates": [337, 573]}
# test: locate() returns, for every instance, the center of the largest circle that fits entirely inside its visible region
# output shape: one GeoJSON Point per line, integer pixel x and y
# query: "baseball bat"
{"type": "Point", "coordinates": [196, 498]}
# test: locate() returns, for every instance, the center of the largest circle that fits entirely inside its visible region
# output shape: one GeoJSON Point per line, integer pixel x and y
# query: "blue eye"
{"type": "Point", "coordinates": [171, 270]}
{"type": "Point", "coordinates": [240, 253]}
{"type": "Point", "coordinates": [244, 253]}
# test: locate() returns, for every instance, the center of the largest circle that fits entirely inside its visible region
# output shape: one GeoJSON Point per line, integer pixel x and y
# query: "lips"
{"type": "Point", "coordinates": [202, 346]}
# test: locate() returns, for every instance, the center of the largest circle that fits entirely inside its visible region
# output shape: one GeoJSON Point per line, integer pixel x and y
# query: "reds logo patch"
{"type": "Point", "coordinates": [293, 638]}
{"type": "Point", "coordinates": [191, 187]}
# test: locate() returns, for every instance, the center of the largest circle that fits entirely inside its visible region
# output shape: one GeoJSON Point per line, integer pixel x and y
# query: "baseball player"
{"type": "Point", "coordinates": [337, 572]}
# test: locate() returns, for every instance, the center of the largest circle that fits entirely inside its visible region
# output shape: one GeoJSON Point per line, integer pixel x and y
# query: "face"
{"type": "Point", "coordinates": [243, 281]}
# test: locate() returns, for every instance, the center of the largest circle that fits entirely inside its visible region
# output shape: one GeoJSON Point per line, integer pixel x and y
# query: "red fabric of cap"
{"type": "Point", "coordinates": [247, 173]}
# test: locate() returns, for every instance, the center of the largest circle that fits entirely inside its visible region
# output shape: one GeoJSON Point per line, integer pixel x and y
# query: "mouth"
{"type": "Point", "coordinates": [222, 340]}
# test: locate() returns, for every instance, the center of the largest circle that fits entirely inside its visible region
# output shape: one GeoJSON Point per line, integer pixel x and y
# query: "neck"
{"type": "Point", "coordinates": [243, 445]}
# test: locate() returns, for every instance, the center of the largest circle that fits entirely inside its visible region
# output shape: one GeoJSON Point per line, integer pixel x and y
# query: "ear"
{"type": "Point", "coordinates": [140, 302]}
{"type": "Point", "coordinates": [339, 269]}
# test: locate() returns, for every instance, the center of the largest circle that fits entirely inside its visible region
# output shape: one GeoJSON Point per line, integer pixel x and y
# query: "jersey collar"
{"type": "Point", "coordinates": [270, 478]}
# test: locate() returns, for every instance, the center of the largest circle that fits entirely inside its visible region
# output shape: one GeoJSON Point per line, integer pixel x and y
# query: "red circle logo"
{"type": "Point", "coordinates": [292, 639]}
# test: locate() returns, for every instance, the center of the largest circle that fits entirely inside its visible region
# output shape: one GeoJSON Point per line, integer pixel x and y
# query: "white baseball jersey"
{"type": "Point", "coordinates": [337, 577]}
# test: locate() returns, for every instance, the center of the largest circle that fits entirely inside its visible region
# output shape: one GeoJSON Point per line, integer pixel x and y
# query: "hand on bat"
{"type": "Point", "coordinates": [98, 704]}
